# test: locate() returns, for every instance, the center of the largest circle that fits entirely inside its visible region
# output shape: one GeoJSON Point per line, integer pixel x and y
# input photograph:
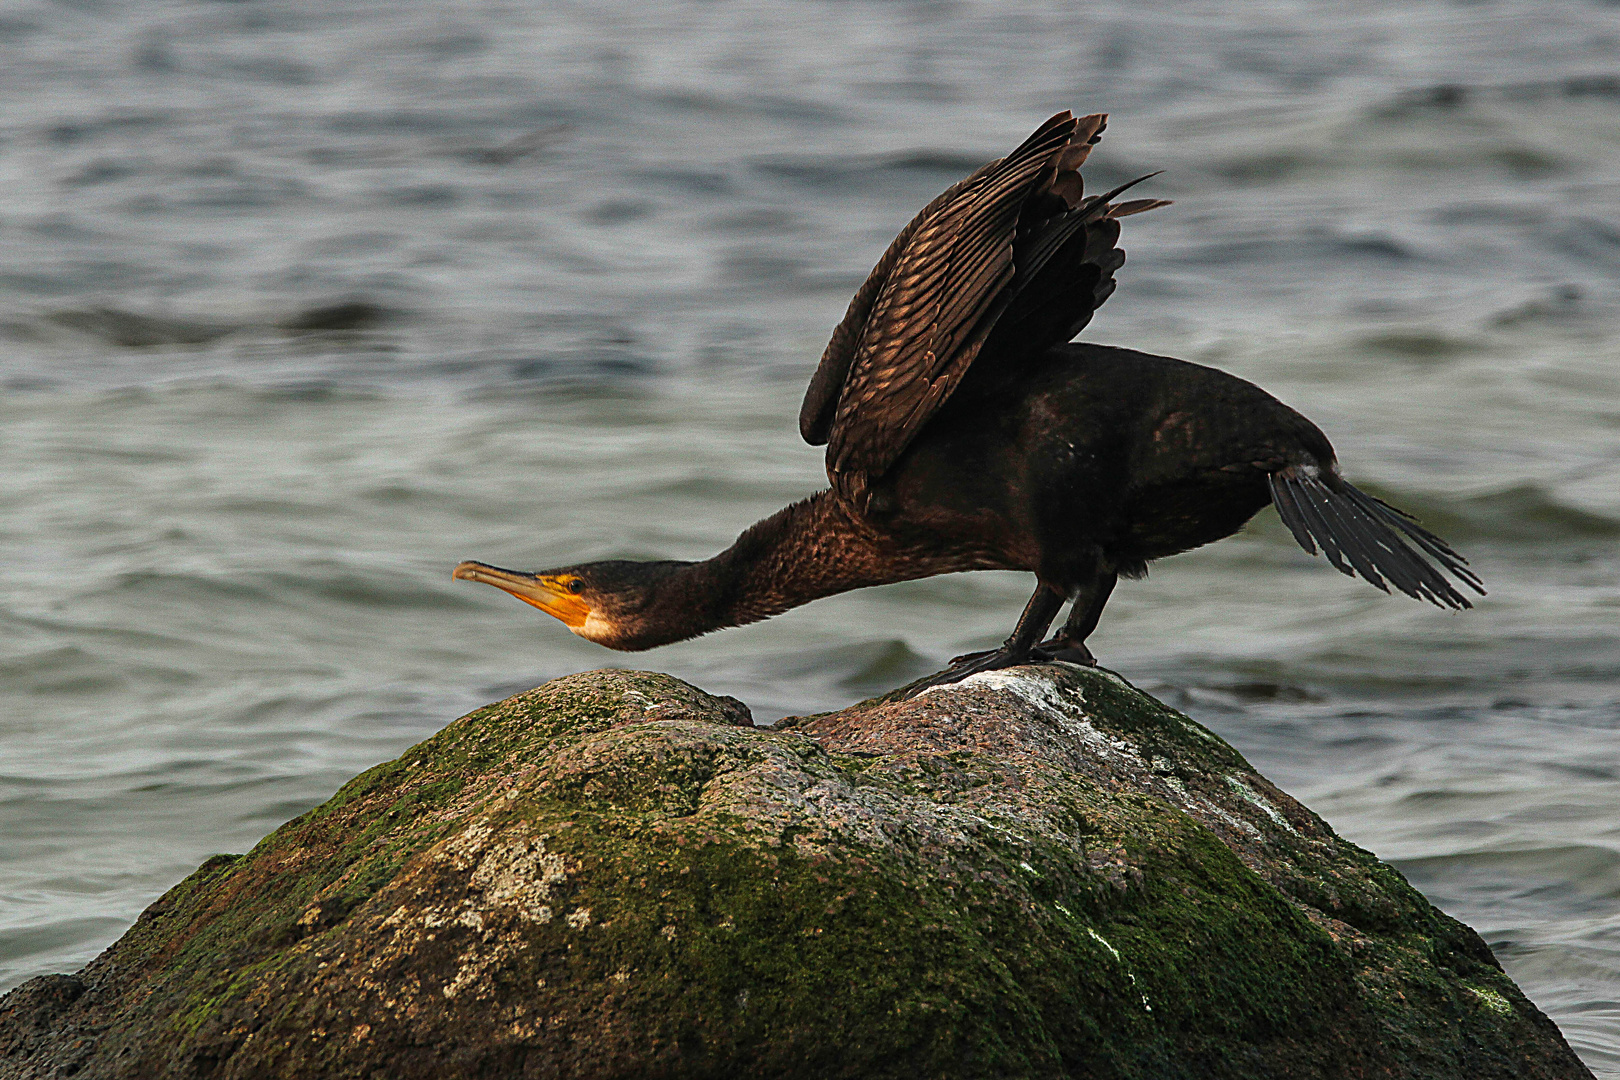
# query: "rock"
{"type": "Point", "coordinates": [1037, 873]}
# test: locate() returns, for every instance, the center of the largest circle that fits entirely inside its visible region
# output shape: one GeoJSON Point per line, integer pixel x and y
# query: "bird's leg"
{"type": "Point", "coordinates": [1017, 649]}
{"type": "Point", "coordinates": [1070, 642]}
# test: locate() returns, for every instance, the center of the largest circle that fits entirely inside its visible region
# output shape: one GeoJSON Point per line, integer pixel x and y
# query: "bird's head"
{"type": "Point", "coordinates": [617, 604]}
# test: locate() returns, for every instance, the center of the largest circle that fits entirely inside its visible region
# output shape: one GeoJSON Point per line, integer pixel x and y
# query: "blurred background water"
{"type": "Point", "coordinates": [301, 304]}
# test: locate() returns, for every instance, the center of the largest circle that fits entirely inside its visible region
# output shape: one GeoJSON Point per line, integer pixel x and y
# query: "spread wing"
{"type": "Point", "coordinates": [1012, 258]}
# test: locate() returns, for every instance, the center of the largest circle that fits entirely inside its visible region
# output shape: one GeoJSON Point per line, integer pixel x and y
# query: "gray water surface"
{"type": "Point", "coordinates": [301, 305]}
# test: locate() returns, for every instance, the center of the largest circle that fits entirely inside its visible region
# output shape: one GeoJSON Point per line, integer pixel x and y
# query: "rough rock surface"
{"type": "Point", "coordinates": [1037, 873]}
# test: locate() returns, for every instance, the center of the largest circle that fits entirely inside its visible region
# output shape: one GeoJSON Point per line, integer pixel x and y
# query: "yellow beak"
{"type": "Point", "coordinates": [549, 594]}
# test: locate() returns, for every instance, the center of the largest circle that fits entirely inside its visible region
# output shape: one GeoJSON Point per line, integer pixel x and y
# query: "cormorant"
{"type": "Point", "coordinates": [965, 432]}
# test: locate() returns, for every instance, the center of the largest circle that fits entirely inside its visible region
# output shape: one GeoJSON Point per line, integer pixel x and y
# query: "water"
{"type": "Point", "coordinates": [301, 305]}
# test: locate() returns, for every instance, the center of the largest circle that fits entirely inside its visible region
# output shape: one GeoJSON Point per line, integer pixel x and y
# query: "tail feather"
{"type": "Point", "coordinates": [1360, 534]}
{"type": "Point", "coordinates": [1282, 497]}
{"type": "Point", "coordinates": [1354, 542]}
{"type": "Point", "coordinates": [1436, 547]}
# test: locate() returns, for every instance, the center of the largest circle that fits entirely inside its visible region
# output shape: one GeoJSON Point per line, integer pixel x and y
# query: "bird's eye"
{"type": "Point", "coordinates": [576, 586]}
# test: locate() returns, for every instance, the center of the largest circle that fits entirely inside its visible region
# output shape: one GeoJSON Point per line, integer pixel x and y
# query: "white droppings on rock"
{"type": "Point", "coordinates": [1099, 939]}
{"type": "Point", "coordinates": [1197, 804]}
{"type": "Point", "coordinates": [1129, 974]}
{"type": "Point", "coordinates": [1192, 728]}
{"type": "Point", "coordinates": [1034, 688]}
{"type": "Point", "coordinates": [1259, 801]}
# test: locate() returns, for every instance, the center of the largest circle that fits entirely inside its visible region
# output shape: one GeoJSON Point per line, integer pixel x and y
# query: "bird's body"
{"type": "Point", "coordinates": [964, 432]}
{"type": "Point", "coordinates": [1089, 455]}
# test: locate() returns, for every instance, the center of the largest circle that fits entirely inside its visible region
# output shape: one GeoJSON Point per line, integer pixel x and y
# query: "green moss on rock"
{"type": "Point", "coordinates": [1035, 873]}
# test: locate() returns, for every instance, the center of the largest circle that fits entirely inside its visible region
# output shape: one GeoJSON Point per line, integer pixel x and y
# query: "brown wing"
{"type": "Point", "coordinates": [925, 312]}
{"type": "Point", "coordinates": [821, 399]}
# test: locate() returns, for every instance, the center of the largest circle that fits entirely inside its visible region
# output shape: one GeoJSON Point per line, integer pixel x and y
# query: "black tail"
{"type": "Point", "coordinates": [1363, 535]}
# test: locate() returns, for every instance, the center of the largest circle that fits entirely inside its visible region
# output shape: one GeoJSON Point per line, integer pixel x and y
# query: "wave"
{"type": "Point", "coordinates": [1524, 512]}
{"type": "Point", "coordinates": [1443, 128]}
{"type": "Point", "coordinates": [1421, 345]}
{"type": "Point", "coordinates": [1579, 876]}
{"type": "Point", "coordinates": [143, 330]}
{"type": "Point", "coordinates": [939, 167]}
{"type": "Point", "coordinates": [388, 588]}
{"type": "Point", "coordinates": [1445, 97]}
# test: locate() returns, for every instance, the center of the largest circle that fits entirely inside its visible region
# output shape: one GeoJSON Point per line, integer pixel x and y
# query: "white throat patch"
{"type": "Point", "coordinates": [594, 628]}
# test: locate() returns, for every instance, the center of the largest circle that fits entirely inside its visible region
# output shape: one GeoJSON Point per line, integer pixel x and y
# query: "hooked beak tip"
{"type": "Point", "coordinates": [478, 571]}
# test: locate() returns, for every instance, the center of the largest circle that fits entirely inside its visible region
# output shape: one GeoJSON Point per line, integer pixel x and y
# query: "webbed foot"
{"type": "Point", "coordinates": [1051, 649]}
{"type": "Point", "coordinates": [1072, 653]}
{"type": "Point", "coordinates": [1020, 648]}
{"type": "Point", "coordinates": [973, 663]}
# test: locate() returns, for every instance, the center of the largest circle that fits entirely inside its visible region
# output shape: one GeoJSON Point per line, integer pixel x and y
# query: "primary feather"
{"type": "Point", "coordinates": [1014, 244]}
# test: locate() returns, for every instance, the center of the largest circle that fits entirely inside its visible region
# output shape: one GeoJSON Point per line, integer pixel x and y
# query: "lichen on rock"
{"type": "Point", "coordinates": [1039, 872]}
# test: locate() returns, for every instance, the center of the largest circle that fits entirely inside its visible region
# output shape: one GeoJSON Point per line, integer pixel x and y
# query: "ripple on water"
{"type": "Point", "coordinates": [544, 287]}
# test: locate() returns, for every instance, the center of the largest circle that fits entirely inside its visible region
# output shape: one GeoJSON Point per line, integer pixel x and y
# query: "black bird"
{"type": "Point", "coordinates": [965, 432]}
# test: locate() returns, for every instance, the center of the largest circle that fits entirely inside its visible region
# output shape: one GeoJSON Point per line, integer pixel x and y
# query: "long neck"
{"type": "Point", "coordinates": [801, 553]}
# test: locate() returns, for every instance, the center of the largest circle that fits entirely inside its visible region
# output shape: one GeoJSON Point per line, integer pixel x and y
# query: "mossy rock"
{"type": "Point", "coordinates": [1036, 873]}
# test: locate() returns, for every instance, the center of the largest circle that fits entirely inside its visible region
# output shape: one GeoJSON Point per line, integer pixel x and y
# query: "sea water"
{"type": "Point", "coordinates": [302, 304]}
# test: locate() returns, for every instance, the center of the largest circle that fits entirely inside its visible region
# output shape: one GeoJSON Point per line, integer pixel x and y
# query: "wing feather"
{"type": "Point", "coordinates": [1012, 257]}
{"type": "Point", "coordinates": [972, 236]}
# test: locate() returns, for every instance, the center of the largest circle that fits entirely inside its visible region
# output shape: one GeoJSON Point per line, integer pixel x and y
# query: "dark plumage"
{"type": "Point", "coordinates": [964, 432]}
